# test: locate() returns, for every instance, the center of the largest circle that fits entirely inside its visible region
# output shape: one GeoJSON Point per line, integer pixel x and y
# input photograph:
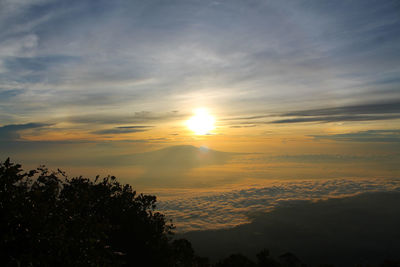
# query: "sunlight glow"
{"type": "Point", "coordinates": [201, 123]}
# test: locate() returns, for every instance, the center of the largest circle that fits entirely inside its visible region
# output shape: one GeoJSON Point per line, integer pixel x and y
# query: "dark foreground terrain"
{"type": "Point", "coordinates": [49, 219]}
{"type": "Point", "coordinates": [363, 229]}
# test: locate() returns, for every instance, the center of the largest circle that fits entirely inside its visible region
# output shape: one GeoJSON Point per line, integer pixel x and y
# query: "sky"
{"type": "Point", "coordinates": [299, 91]}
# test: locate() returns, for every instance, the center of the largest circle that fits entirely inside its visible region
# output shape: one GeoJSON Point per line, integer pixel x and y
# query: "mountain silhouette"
{"type": "Point", "coordinates": [171, 164]}
{"type": "Point", "coordinates": [180, 157]}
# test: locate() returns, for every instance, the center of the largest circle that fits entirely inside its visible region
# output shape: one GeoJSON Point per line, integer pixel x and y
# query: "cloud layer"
{"type": "Point", "coordinates": [234, 207]}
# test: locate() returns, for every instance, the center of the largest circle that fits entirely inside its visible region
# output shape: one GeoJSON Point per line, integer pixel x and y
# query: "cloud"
{"type": "Point", "coordinates": [7, 95]}
{"type": "Point", "coordinates": [385, 136]}
{"type": "Point", "coordinates": [382, 108]}
{"type": "Point", "coordinates": [335, 158]}
{"type": "Point", "coordinates": [238, 54]}
{"type": "Point", "coordinates": [231, 208]}
{"type": "Point", "coordinates": [137, 117]}
{"type": "Point", "coordinates": [23, 45]}
{"type": "Point", "coordinates": [124, 130]}
{"type": "Point", "coordinates": [364, 112]}
{"type": "Point", "coordinates": [361, 112]}
{"type": "Point", "coordinates": [11, 132]}
{"type": "Point", "coordinates": [37, 63]}
{"type": "Point", "coordinates": [344, 231]}
{"type": "Point", "coordinates": [243, 126]}
{"type": "Point", "coordinates": [326, 119]}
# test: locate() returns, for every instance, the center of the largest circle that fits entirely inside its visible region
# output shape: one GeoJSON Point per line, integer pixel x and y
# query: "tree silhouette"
{"type": "Point", "coordinates": [236, 260]}
{"type": "Point", "coordinates": [289, 260]}
{"type": "Point", "coordinates": [265, 260]}
{"type": "Point", "coordinates": [48, 219]}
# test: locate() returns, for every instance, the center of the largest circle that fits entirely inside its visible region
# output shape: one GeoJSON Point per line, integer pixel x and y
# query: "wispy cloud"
{"type": "Point", "coordinates": [326, 119]}
{"type": "Point", "coordinates": [382, 108]}
{"type": "Point", "coordinates": [364, 112]}
{"type": "Point", "coordinates": [7, 95]}
{"type": "Point", "coordinates": [361, 112]}
{"type": "Point", "coordinates": [137, 117]}
{"type": "Point", "coordinates": [243, 126]}
{"type": "Point", "coordinates": [11, 132]}
{"type": "Point", "coordinates": [386, 136]}
{"type": "Point", "coordinates": [124, 130]}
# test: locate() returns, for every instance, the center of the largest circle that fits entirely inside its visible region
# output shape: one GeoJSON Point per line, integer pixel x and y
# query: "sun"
{"type": "Point", "coordinates": [201, 123]}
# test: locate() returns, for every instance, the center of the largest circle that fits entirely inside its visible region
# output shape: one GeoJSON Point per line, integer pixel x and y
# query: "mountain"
{"type": "Point", "coordinates": [180, 157]}
{"type": "Point", "coordinates": [177, 166]}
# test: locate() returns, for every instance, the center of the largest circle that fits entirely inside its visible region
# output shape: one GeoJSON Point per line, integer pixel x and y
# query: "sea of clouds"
{"type": "Point", "coordinates": [225, 209]}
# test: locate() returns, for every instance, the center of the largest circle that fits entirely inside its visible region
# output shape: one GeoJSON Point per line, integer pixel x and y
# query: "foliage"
{"type": "Point", "coordinates": [48, 219]}
{"type": "Point", "coordinates": [236, 260]}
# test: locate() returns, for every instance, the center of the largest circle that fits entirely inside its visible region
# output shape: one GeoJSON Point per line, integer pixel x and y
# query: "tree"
{"type": "Point", "coordinates": [265, 260]}
{"type": "Point", "coordinates": [49, 219]}
{"type": "Point", "coordinates": [235, 260]}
